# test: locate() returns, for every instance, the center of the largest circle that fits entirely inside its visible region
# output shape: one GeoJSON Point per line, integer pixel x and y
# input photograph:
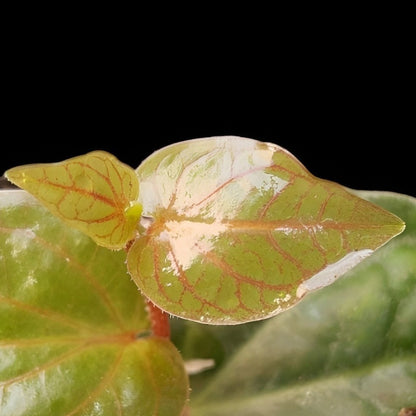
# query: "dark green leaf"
{"type": "Point", "coordinates": [74, 332]}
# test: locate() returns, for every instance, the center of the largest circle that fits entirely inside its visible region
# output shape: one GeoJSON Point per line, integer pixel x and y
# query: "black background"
{"type": "Point", "coordinates": [344, 106]}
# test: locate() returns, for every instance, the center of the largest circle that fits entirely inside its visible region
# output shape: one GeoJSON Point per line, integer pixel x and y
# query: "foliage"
{"type": "Point", "coordinates": [219, 231]}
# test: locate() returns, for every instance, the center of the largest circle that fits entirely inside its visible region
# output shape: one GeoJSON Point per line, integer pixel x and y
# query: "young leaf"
{"type": "Point", "coordinates": [94, 193]}
{"type": "Point", "coordinates": [236, 230]}
{"type": "Point", "coordinates": [75, 336]}
{"type": "Point", "coordinates": [347, 350]}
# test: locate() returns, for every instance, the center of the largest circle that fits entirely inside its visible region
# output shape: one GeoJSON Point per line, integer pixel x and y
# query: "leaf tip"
{"type": "Point", "coordinates": [15, 175]}
{"type": "Point", "coordinates": [397, 226]}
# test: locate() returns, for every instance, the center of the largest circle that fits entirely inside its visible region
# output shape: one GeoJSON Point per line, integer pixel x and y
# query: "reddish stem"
{"type": "Point", "coordinates": [159, 320]}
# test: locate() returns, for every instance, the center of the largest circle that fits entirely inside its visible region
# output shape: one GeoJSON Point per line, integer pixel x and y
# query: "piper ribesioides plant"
{"type": "Point", "coordinates": [224, 230]}
{"type": "Point", "coordinates": [219, 230]}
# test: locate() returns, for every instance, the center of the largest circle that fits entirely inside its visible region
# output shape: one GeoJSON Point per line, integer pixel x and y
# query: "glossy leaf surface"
{"type": "Point", "coordinates": [236, 230]}
{"type": "Point", "coordinates": [92, 193]}
{"type": "Point", "coordinates": [347, 350]}
{"type": "Point", "coordinates": [74, 332]}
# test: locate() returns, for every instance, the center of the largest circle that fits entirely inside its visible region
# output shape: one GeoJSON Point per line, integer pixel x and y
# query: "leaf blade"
{"type": "Point", "coordinates": [92, 193]}
{"type": "Point", "coordinates": [74, 332]}
{"type": "Point", "coordinates": [239, 227]}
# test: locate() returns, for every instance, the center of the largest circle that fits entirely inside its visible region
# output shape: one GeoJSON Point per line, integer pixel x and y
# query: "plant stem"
{"type": "Point", "coordinates": [159, 320]}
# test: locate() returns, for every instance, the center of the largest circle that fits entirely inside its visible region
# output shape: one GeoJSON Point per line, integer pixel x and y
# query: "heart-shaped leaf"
{"type": "Point", "coordinates": [347, 350]}
{"type": "Point", "coordinates": [74, 332]}
{"type": "Point", "coordinates": [236, 230]}
{"type": "Point", "coordinates": [94, 193]}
